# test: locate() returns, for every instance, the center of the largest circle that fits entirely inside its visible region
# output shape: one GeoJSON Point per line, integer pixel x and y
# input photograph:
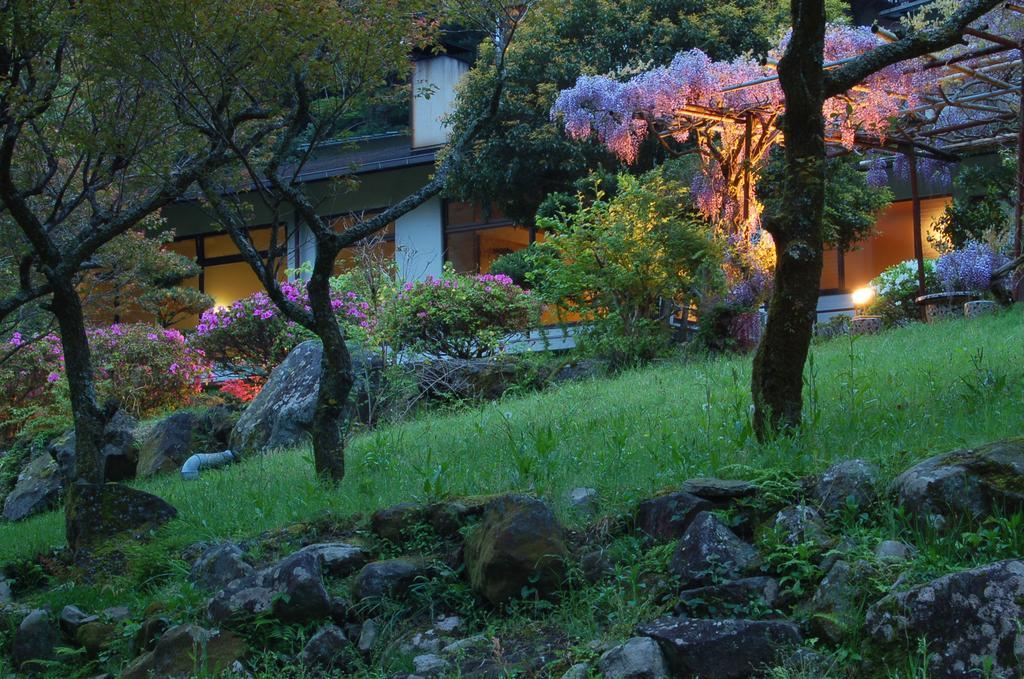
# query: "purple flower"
{"type": "Point", "coordinates": [968, 269]}
{"type": "Point", "coordinates": [52, 377]}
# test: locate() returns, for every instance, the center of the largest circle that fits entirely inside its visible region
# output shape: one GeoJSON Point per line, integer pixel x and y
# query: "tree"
{"type": "Point", "coordinates": [735, 111]}
{"type": "Point", "coordinates": [371, 46]}
{"type": "Point", "coordinates": [522, 156]}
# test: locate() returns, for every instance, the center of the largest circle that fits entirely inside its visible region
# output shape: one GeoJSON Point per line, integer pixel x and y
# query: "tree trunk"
{"type": "Point", "coordinates": [777, 382]}
{"type": "Point", "coordinates": [333, 410]}
{"type": "Point", "coordinates": [89, 421]}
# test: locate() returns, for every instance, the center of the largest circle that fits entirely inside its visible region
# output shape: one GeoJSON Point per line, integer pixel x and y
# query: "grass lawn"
{"type": "Point", "coordinates": [893, 398]}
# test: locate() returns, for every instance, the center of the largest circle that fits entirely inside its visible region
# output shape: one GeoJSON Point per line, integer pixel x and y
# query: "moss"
{"type": "Point", "coordinates": [983, 462]}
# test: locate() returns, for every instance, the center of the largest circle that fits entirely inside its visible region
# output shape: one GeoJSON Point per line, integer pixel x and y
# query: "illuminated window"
{"type": "Point", "coordinates": [383, 240]}
{"type": "Point", "coordinates": [473, 239]}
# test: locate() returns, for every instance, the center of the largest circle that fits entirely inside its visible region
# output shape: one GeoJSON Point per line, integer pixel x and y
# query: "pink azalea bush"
{"type": "Point", "coordinates": [459, 316]}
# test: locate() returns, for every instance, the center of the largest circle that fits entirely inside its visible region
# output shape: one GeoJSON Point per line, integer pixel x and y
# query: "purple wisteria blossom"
{"type": "Point", "coordinates": [969, 268]}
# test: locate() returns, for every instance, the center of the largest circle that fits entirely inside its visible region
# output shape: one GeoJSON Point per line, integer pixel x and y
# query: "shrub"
{"type": "Point", "coordinates": [896, 288]}
{"type": "Point", "coordinates": [625, 262]}
{"type": "Point", "coordinates": [459, 316]}
{"type": "Point", "coordinates": [252, 336]}
{"type": "Point", "coordinates": [518, 265]}
{"type": "Point", "coordinates": [969, 268]}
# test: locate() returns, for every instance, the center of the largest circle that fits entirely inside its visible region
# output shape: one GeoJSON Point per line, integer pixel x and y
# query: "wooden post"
{"type": "Point", "coordinates": [1019, 212]}
{"type": "Point", "coordinates": [915, 196]}
{"type": "Point", "coordinates": [746, 173]}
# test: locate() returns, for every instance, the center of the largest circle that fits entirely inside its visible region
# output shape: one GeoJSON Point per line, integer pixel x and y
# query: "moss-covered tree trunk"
{"type": "Point", "coordinates": [777, 383]}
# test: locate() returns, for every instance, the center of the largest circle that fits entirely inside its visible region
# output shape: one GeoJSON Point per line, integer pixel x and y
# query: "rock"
{"type": "Point", "coordinates": [474, 379]}
{"type": "Point", "coordinates": [95, 637]}
{"type": "Point", "coordinates": [328, 649]}
{"type": "Point", "coordinates": [580, 670]}
{"type": "Point", "coordinates": [720, 491]}
{"type": "Point", "coordinates": [146, 638]}
{"type": "Point", "coordinates": [518, 544]}
{"type": "Point", "coordinates": [583, 501]}
{"type": "Point", "coordinates": [6, 595]}
{"type": "Point", "coordinates": [460, 645]}
{"type": "Point", "coordinates": [448, 518]}
{"type": "Point", "coordinates": [709, 550]}
{"type": "Point", "coordinates": [216, 423]}
{"type": "Point", "coordinates": [117, 613]}
{"type": "Point", "coordinates": [759, 593]}
{"type": "Point", "coordinates": [280, 415]}
{"type": "Point", "coordinates": [422, 642]}
{"type": "Point", "coordinates": [964, 484]}
{"type": "Point", "coordinates": [723, 649]}
{"type": "Point", "coordinates": [188, 650]}
{"type": "Point", "coordinates": [168, 444]}
{"type": "Point", "coordinates": [596, 565]}
{"type": "Point", "coordinates": [33, 641]}
{"type": "Point", "coordinates": [638, 658]}
{"type": "Point", "coordinates": [219, 565]}
{"type": "Point", "coordinates": [390, 577]}
{"type": "Point", "coordinates": [120, 450]}
{"type": "Point", "coordinates": [293, 591]}
{"type": "Point", "coordinates": [37, 490]}
{"type": "Point", "coordinates": [971, 620]}
{"type": "Point", "coordinates": [448, 624]}
{"type": "Point", "coordinates": [71, 618]}
{"type": "Point", "coordinates": [892, 551]}
{"type": "Point", "coordinates": [394, 523]}
{"type": "Point", "coordinates": [799, 525]}
{"type": "Point", "coordinates": [368, 636]}
{"type": "Point", "coordinates": [836, 605]}
{"type": "Point", "coordinates": [338, 559]}
{"type": "Point", "coordinates": [98, 511]}
{"type": "Point", "coordinates": [667, 516]}
{"type": "Point", "coordinates": [848, 483]}
{"type": "Point", "coordinates": [429, 665]}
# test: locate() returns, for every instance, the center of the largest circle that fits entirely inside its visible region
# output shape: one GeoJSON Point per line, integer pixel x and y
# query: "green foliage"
{"type": "Point", "coordinates": [459, 316]}
{"type": "Point", "coordinates": [983, 199]}
{"type": "Point", "coordinates": [622, 261]}
{"type": "Point", "coordinates": [516, 265]}
{"type": "Point", "coordinates": [897, 287]}
{"type": "Point", "coordinates": [523, 156]}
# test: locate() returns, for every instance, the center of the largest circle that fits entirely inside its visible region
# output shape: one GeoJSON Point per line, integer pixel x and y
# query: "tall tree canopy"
{"type": "Point", "coordinates": [522, 156]}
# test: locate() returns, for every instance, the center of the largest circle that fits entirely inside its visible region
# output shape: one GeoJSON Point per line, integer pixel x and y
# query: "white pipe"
{"type": "Point", "coordinates": [190, 470]}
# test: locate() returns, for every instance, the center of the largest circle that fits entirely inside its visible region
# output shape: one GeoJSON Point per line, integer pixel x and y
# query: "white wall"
{"type": "Point", "coordinates": [433, 89]}
{"type": "Point", "coordinates": [419, 241]}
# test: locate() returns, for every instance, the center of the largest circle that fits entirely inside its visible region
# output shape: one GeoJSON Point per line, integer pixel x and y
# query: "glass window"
{"type": "Point", "coordinates": [830, 271]}
{"type": "Point", "coordinates": [473, 251]}
{"type": "Point", "coordinates": [221, 245]}
{"type": "Point", "coordinates": [466, 214]}
{"type": "Point", "coordinates": [384, 239]}
{"type": "Point", "coordinates": [228, 283]}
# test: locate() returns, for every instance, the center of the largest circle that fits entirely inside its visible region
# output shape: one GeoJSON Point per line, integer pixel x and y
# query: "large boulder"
{"type": "Point", "coordinates": [37, 490]}
{"type": "Point", "coordinates": [850, 482]}
{"type": "Point", "coordinates": [186, 651]}
{"type": "Point", "coordinates": [971, 619]}
{"type": "Point", "coordinates": [638, 658]}
{"type": "Point", "coordinates": [329, 649]}
{"type": "Point", "coordinates": [120, 450]}
{"type": "Point", "coordinates": [34, 641]}
{"type": "Point", "coordinates": [292, 591]}
{"type": "Point", "coordinates": [835, 609]}
{"type": "Point", "coordinates": [518, 543]}
{"type": "Point", "coordinates": [338, 559]}
{"type": "Point", "coordinates": [168, 444]}
{"type": "Point", "coordinates": [720, 491]}
{"type": "Point", "coordinates": [281, 414]}
{"type": "Point", "coordinates": [667, 516]}
{"type": "Point", "coordinates": [709, 551]}
{"type": "Point", "coordinates": [385, 578]}
{"type": "Point", "coordinates": [220, 565]}
{"type": "Point", "coordinates": [724, 649]}
{"type": "Point", "coordinates": [964, 484]}
{"type": "Point", "coordinates": [800, 524]}
{"type": "Point", "coordinates": [99, 511]}
{"type": "Point", "coordinates": [755, 593]}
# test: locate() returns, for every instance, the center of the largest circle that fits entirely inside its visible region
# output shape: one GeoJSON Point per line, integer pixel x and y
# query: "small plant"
{"type": "Point", "coordinates": [897, 287]}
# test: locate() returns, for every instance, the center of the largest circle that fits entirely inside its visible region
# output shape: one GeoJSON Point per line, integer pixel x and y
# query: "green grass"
{"type": "Point", "coordinates": [893, 398]}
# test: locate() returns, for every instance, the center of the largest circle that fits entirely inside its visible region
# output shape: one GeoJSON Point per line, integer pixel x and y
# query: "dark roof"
{"type": "Point", "coordinates": [360, 156]}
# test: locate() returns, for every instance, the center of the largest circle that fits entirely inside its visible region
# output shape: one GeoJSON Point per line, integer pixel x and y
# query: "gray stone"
{"type": "Point", "coordinates": [964, 484]}
{"type": "Point", "coordinates": [338, 559]}
{"type": "Point", "coordinates": [429, 665]}
{"type": "Point", "coordinates": [168, 444]}
{"type": "Point", "coordinates": [71, 618]}
{"type": "Point", "coordinates": [667, 516]}
{"type": "Point", "coordinates": [851, 482]}
{"type": "Point", "coordinates": [460, 645]}
{"type": "Point", "coordinates": [292, 591]}
{"type": "Point", "coordinates": [799, 525]}
{"type": "Point", "coordinates": [971, 620]}
{"type": "Point", "coordinates": [6, 595]}
{"type": "Point", "coordinates": [758, 593]}
{"type": "Point", "coordinates": [583, 501]}
{"type": "Point", "coordinates": [389, 577]}
{"type": "Point", "coordinates": [368, 636]}
{"type": "Point", "coordinates": [720, 491]}
{"type": "Point", "coordinates": [448, 624]}
{"type": "Point", "coordinates": [220, 565]}
{"type": "Point", "coordinates": [33, 641]}
{"type": "Point", "coordinates": [837, 602]}
{"type": "Point", "coordinates": [37, 490]}
{"type": "Point", "coordinates": [892, 551]}
{"type": "Point", "coordinates": [422, 642]}
{"type": "Point", "coordinates": [281, 414]}
{"type": "Point", "coordinates": [394, 523]}
{"type": "Point", "coordinates": [518, 544]}
{"type": "Point", "coordinates": [723, 649]}
{"type": "Point", "coordinates": [328, 649]}
{"type": "Point", "coordinates": [580, 670]}
{"type": "Point", "coordinates": [709, 550]}
{"type": "Point", "coordinates": [117, 613]}
{"type": "Point", "coordinates": [188, 650]}
{"type": "Point", "coordinates": [120, 452]}
{"type": "Point", "coordinates": [638, 658]}
{"type": "Point", "coordinates": [145, 639]}
{"type": "Point", "coordinates": [98, 511]}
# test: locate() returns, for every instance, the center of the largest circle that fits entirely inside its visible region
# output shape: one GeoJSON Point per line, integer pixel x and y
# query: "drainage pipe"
{"type": "Point", "coordinates": [190, 470]}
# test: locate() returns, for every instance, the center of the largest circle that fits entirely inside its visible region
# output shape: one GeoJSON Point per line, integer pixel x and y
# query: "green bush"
{"type": "Point", "coordinates": [896, 288]}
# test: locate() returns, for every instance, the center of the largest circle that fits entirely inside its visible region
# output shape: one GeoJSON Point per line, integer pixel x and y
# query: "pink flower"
{"type": "Point", "coordinates": [52, 377]}
{"type": "Point", "coordinates": [172, 368]}
{"type": "Point", "coordinates": [16, 339]}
